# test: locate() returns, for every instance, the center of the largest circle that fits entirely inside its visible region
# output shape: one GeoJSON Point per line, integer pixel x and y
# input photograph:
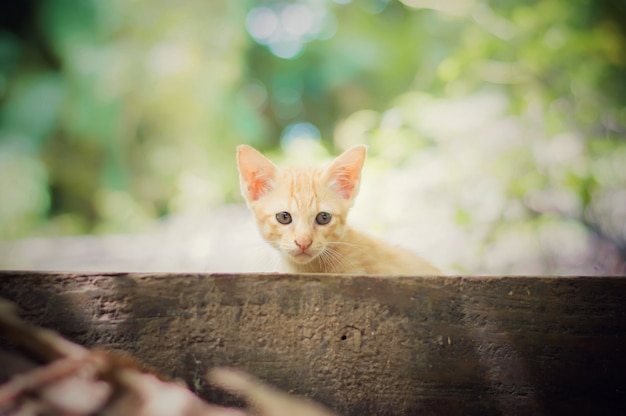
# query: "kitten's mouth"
{"type": "Point", "coordinates": [302, 257]}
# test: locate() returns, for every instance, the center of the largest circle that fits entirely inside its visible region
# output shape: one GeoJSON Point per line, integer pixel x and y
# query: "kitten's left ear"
{"type": "Point", "coordinates": [256, 173]}
{"type": "Point", "coordinates": [344, 174]}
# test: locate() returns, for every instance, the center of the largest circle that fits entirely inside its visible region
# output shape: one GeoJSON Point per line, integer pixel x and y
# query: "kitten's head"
{"type": "Point", "coordinates": [300, 211]}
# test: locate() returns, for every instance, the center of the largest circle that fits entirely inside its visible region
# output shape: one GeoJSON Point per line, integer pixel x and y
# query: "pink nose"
{"type": "Point", "coordinates": [303, 243]}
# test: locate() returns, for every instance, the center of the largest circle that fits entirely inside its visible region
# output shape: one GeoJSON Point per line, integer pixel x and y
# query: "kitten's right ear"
{"type": "Point", "coordinates": [344, 174]}
{"type": "Point", "coordinates": [256, 172]}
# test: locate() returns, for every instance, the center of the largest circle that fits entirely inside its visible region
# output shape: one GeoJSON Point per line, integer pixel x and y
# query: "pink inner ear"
{"type": "Point", "coordinates": [256, 172]}
{"type": "Point", "coordinates": [344, 182]}
{"type": "Point", "coordinates": [345, 172]}
{"type": "Point", "coordinates": [257, 185]}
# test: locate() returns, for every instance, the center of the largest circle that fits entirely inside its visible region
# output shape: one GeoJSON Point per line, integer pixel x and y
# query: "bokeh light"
{"type": "Point", "coordinates": [287, 27]}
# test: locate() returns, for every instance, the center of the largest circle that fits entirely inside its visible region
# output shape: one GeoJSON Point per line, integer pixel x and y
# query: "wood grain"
{"type": "Point", "coordinates": [361, 345]}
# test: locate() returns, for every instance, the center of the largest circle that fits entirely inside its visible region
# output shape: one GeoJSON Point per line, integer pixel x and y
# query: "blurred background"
{"type": "Point", "coordinates": [496, 129]}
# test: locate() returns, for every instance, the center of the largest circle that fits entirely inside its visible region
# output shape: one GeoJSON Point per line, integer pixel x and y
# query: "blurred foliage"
{"type": "Point", "coordinates": [114, 113]}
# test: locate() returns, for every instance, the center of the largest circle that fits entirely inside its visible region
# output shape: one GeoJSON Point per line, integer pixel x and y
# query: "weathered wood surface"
{"type": "Point", "coordinates": [361, 345]}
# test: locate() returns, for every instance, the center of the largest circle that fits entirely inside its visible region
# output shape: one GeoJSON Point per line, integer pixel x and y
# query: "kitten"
{"type": "Point", "coordinates": [302, 212]}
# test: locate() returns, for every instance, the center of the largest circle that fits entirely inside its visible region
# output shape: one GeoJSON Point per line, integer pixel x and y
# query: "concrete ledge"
{"type": "Point", "coordinates": [361, 345]}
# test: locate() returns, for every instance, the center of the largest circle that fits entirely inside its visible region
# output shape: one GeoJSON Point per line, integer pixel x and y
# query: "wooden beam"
{"type": "Point", "coordinates": [359, 344]}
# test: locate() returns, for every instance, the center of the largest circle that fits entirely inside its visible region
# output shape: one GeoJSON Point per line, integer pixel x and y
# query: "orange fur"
{"type": "Point", "coordinates": [306, 245]}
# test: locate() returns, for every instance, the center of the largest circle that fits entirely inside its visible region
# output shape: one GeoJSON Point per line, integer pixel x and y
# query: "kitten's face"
{"type": "Point", "coordinates": [300, 211]}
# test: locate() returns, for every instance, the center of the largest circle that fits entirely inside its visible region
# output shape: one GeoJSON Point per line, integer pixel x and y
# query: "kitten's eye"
{"type": "Point", "coordinates": [323, 218]}
{"type": "Point", "coordinates": [283, 217]}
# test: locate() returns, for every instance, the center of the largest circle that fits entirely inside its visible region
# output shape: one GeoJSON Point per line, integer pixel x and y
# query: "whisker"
{"type": "Point", "coordinates": [336, 261]}
{"type": "Point", "coordinates": [345, 244]}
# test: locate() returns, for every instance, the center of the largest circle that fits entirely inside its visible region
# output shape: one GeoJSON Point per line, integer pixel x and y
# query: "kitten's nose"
{"type": "Point", "coordinates": [303, 243]}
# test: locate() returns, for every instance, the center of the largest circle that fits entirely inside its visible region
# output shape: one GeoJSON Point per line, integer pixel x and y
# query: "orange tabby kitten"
{"type": "Point", "coordinates": [302, 213]}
